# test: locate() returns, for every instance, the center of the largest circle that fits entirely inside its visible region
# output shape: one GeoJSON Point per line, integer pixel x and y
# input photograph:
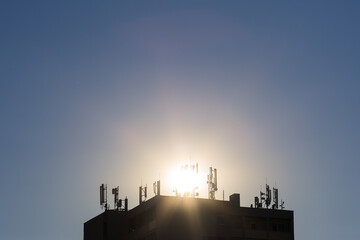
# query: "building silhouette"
{"type": "Point", "coordinates": [175, 218]}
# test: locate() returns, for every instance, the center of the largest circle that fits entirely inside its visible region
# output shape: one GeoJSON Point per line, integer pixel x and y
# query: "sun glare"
{"type": "Point", "coordinates": [185, 181]}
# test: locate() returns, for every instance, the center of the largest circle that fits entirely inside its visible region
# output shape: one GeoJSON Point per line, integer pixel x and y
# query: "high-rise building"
{"type": "Point", "coordinates": [172, 218]}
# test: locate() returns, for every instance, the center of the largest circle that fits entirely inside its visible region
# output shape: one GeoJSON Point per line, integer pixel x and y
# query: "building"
{"type": "Point", "coordinates": [175, 218]}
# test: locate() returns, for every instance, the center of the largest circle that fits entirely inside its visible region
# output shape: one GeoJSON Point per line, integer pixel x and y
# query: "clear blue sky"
{"type": "Point", "coordinates": [122, 91]}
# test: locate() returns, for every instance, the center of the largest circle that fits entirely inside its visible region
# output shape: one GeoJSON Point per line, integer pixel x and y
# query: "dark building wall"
{"type": "Point", "coordinates": [179, 218]}
{"type": "Point", "coordinates": [109, 225]}
{"type": "Point", "coordinates": [165, 217]}
{"type": "Point", "coordinates": [207, 219]}
{"type": "Point", "coordinates": [93, 229]}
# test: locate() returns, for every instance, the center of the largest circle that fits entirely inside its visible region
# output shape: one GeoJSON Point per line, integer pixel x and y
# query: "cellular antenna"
{"type": "Point", "coordinates": [212, 183]}
{"type": "Point", "coordinates": [282, 204]}
{"type": "Point", "coordinates": [103, 196]}
{"type": "Point", "coordinates": [117, 203]}
{"type": "Point", "coordinates": [195, 171]}
{"type": "Point", "coordinates": [142, 194]}
{"type": "Point", "coordinates": [268, 196]}
{"type": "Point", "coordinates": [276, 198]}
{"type": "Point", "coordinates": [156, 188]}
{"type": "Point", "coordinates": [187, 177]}
{"type": "Point", "coordinates": [258, 202]}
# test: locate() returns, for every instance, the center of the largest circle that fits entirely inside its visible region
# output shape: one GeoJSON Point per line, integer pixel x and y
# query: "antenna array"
{"type": "Point", "coordinates": [188, 170]}
{"type": "Point", "coordinates": [103, 196]}
{"type": "Point", "coordinates": [156, 188]}
{"type": "Point", "coordinates": [265, 198]}
{"type": "Point", "coordinates": [117, 202]}
{"type": "Point", "coordinates": [142, 194]}
{"type": "Point", "coordinates": [212, 183]}
{"type": "Point", "coordinates": [115, 192]}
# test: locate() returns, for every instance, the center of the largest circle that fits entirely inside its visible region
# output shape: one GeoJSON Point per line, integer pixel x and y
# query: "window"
{"type": "Point", "coordinates": [280, 225]}
{"type": "Point", "coordinates": [220, 219]}
{"type": "Point", "coordinates": [281, 228]}
{"type": "Point", "coordinates": [274, 227]}
{"type": "Point", "coordinates": [253, 226]}
{"type": "Point", "coordinates": [236, 221]}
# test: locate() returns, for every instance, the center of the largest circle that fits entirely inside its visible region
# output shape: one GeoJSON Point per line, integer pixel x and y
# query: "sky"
{"type": "Point", "coordinates": [123, 92]}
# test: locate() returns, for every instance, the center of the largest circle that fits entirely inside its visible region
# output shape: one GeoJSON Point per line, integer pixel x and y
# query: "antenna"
{"type": "Point", "coordinates": [142, 193]}
{"type": "Point", "coordinates": [156, 188]}
{"type": "Point", "coordinates": [276, 198]}
{"type": "Point", "coordinates": [195, 171]}
{"type": "Point", "coordinates": [215, 178]}
{"type": "Point", "coordinates": [282, 204]}
{"type": "Point", "coordinates": [262, 198]}
{"type": "Point", "coordinates": [115, 191]}
{"type": "Point", "coordinates": [268, 196]}
{"type": "Point", "coordinates": [212, 183]}
{"type": "Point", "coordinates": [103, 196]}
{"type": "Point", "coordinates": [187, 172]}
{"type": "Point", "coordinates": [257, 203]}
{"type": "Point", "coordinates": [126, 204]}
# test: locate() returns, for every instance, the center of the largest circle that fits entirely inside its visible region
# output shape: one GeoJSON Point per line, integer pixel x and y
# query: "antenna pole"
{"type": "Point", "coordinates": [103, 196]}
{"type": "Point", "coordinates": [142, 193]}
{"type": "Point", "coordinates": [212, 183]}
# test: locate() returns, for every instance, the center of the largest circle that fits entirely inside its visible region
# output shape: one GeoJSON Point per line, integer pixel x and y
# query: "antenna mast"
{"type": "Point", "coordinates": [268, 196]}
{"type": "Point", "coordinates": [115, 192]}
{"type": "Point", "coordinates": [188, 171]}
{"type": "Point", "coordinates": [156, 188]}
{"type": "Point", "coordinates": [276, 198]}
{"type": "Point", "coordinates": [103, 196]}
{"type": "Point", "coordinates": [266, 199]}
{"type": "Point", "coordinates": [212, 183]}
{"type": "Point", "coordinates": [142, 193]}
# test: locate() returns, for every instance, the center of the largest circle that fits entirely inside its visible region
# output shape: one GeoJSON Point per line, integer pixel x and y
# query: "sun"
{"type": "Point", "coordinates": [185, 180]}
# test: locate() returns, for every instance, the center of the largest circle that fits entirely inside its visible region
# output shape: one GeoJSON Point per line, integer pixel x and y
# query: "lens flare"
{"type": "Point", "coordinates": [185, 181]}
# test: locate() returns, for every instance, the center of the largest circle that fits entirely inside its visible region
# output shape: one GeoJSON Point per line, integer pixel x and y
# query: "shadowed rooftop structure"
{"type": "Point", "coordinates": [168, 217]}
